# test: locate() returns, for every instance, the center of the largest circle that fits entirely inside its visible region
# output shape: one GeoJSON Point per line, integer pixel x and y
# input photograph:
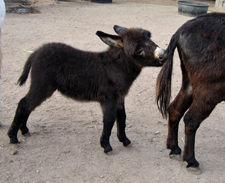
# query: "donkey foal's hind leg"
{"type": "Point", "coordinates": [21, 116]}
{"type": "Point", "coordinates": [26, 105]}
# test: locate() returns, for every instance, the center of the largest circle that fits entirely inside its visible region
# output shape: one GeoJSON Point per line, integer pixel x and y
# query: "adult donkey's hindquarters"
{"type": "Point", "coordinates": [201, 46]}
{"type": "Point", "coordinates": [104, 77]}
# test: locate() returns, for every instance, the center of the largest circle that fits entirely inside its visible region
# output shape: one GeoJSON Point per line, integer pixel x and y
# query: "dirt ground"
{"type": "Point", "coordinates": [64, 143]}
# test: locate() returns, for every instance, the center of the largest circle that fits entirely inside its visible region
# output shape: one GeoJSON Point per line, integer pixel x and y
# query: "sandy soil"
{"type": "Point", "coordinates": [64, 146]}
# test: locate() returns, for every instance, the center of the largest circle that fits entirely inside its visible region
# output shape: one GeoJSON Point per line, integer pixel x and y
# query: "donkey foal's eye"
{"type": "Point", "coordinates": [141, 53]}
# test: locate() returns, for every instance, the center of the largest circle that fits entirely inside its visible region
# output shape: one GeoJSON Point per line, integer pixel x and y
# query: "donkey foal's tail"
{"type": "Point", "coordinates": [25, 72]}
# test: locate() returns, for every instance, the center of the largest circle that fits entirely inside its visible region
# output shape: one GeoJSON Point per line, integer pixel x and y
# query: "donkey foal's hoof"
{"type": "Point", "coordinates": [107, 149]}
{"type": "Point", "coordinates": [14, 140]}
{"type": "Point", "coordinates": [126, 142]}
{"type": "Point", "coordinates": [24, 131]}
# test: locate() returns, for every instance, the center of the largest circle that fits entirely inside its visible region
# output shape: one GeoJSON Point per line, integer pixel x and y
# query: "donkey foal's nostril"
{"type": "Point", "coordinates": [161, 57]}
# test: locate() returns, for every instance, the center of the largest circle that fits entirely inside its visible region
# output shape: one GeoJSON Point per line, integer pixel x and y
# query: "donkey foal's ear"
{"type": "Point", "coordinates": [118, 29]}
{"type": "Point", "coordinates": [110, 40]}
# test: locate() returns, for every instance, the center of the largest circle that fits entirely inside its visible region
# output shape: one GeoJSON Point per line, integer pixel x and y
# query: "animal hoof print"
{"type": "Point", "coordinates": [195, 170]}
{"type": "Point", "coordinates": [177, 157]}
{"type": "Point", "coordinates": [126, 142]}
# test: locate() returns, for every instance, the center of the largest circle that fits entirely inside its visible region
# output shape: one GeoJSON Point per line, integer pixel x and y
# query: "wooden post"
{"type": "Point", "coordinates": [219, 3]}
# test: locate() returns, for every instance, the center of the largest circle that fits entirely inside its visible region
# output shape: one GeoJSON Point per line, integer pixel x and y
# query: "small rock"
{"type": "Point", "coordinates": [2, 146]}
{"type": "Point", "coordinates": [157, 132]}
{"type": "Point", "coordinates": [14, 152]}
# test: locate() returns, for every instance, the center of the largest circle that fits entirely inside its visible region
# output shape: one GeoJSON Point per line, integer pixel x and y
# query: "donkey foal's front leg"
{"type": "Point", "coordinates": [109, 117]}
{"type": "Point", "coordinates": [121, 125]}
{"type": "Point", "coordinates": [107, 128]}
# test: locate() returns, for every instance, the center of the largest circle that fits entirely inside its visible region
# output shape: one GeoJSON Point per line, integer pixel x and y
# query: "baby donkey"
{"type": "Point", "coordinates": [104, 77]}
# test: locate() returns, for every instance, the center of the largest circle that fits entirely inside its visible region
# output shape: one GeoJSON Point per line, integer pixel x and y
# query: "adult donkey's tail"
{"type": "Point", "coordinates": [163, 84]}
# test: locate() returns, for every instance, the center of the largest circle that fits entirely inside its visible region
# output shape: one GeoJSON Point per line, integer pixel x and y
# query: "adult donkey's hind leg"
{"type": "Point", "coordinates": [121, 124]}
{"type": "Point", "coordinates": [200, 109]}
{"type": "Point", "coordinates": [176, 111]}
{"type": "Point", "coordinates": [35, 97]}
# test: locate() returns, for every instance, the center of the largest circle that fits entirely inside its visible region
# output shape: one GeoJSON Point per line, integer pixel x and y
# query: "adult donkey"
{"type": "Point", "coordinates": [104, 77]}
{"type": "Point", "coordinates": [201, 46]}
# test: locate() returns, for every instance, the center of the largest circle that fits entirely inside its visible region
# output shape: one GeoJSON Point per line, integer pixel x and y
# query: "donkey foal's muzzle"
{"type": "Point", "coordinates": [159, 53]}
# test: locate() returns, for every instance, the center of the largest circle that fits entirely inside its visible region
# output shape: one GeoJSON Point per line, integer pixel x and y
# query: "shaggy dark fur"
{"type": "Point", "coordinates": [104, 77]}
{"type": "Point", "coordinates": [201, 47]}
